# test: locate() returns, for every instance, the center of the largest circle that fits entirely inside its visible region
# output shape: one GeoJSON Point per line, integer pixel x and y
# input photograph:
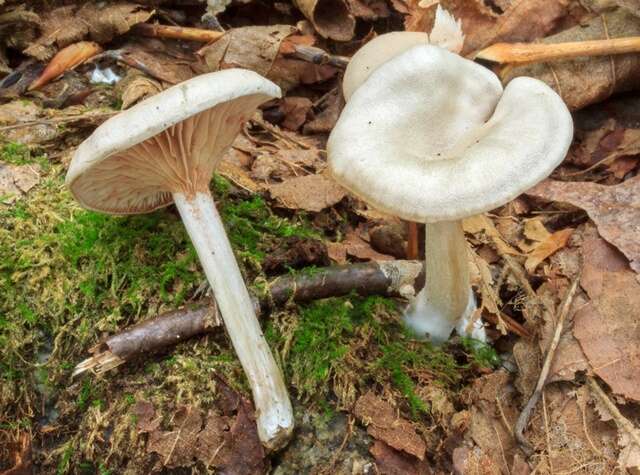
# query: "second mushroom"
{"type": "Point", "coordinates": [164, 150]}
{"type": "Point", "coordinates": [431, 137]}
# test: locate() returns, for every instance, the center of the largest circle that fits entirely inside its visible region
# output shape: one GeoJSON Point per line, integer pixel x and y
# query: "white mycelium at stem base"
{"type": "Point", "coordinates": [433, 138]}
{"type": "Point", "coordinates": [202, 221]}
{"type": "Point", "coordinates": [447, 302]}
{"type": "Point", "coordinates": [165, 149]}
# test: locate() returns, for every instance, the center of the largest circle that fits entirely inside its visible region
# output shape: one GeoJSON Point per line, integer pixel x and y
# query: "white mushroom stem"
{"type": "Point", "coordinates": [446, 301]}
{"type": "Point", "coordinates": [273, 409]}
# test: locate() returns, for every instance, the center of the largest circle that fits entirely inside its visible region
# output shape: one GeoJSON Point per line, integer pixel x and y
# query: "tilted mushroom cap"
{"type": "Point", "coordinates": [447, 33]}
{"type": "Point", "coordinates": [431, 136]}
{"type": "Point", "coordinates": [168, 143]}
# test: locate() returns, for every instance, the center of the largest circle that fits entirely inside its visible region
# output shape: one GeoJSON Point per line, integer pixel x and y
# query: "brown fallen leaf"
{"type": "Point", "coordinates": [66, 59]}
{"type": "Point", "coordinates": [481, 223]}
{"type": "Point", "coordinates": [546, 248]}
{"type": "Point", "coordinates": [295, 111]}
{"type": "Point", "coordinates": [296, 253]}
{"type": "Point", "coordinates": [331, 18]}
{"type": "Point", "coordinates": [22, 463]}
{"type": "Point", "coordinates": [136, 86]}
{"type": "Point", "coordinates": [17, 180]}
{"type": "Point", "coordinates": [390, 461]}
{"type": "Point", "coordinates": [608, 327]}
{"type": "Point", "coordinates": [100, 22]}
{"type": "Point", "coordinates": [176, 448]}
{"type": "Point", "coordinates": [614, 209]}
{"type": "Point", "coordinates": [368, 10]}
{"type": "Point", "coordinates": [309, 193]}
{"type": "Point", "coordinates": [584, 81]}
{"type": "Point", "coordinates": [353, 245]}
{"type": "Point", "coordinates": [383, 423]}
{"type": "Point", "coordinates": [156, 59]}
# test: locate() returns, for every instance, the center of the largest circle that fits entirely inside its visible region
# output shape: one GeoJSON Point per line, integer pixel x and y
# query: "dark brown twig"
{"type": "Point", "coordinates": [523, 419]}
{"type": "Point", "coordinates": [372, 278]}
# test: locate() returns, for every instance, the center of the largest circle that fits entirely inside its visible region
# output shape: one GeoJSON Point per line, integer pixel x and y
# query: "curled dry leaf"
{"type": "Point", "coordinates": [545, 248]}
{"type": "Point", "coordinates": [66, 59]}
{"type": "Point", "coordinates": [584, 81]}
{"type": "Point", "coordinates": [608, 327]}
{"type": "Point", "coordinates": [614, 209]}
{"type": "Point", "coordinates": [331, 18]}
{"type": "Point", "coordinates": [100, 22]}
{"type": "Point", "coordinates": [353, 245]}
{"type": "Point", "coordinates": [136, 86]}
{"type": "Point", "coordinates": [309, 193]}
{"type": "Point", "coordinates": [384, 424]}
{"type": "Point", "coordinates": [258, 48]}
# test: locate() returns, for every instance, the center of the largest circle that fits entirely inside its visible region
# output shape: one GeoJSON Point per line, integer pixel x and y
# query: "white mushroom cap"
{"type": "Point", "coordinates": [432, 137]}
{"type": "Point", "coordinates": [168, 143]}
{"type": "Point", "coordinates": [446, 32]}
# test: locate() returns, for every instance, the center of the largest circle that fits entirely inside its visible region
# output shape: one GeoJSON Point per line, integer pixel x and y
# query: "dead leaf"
{"type": "Point", "coordinates": [384, 424]}
{"type": "Point", "coordinates": [17, 180]}
{"type": "Point", "coordinates": [146, 420]}
{"type": "Point", "coordinates": [327, 117]}
{"type": "Point", "coordinates": [212, 438]}
{"type": "Point", "coordinates": [152, 57]}
{"type": "Point", "coordinates": [176, 448]}
{"type": "Point", "coordinates": [66, 59]}
{"type": "Point", "coordinates": [481, 223]}
{"type": "Point", "coordinates": [354, 246]}
{"type": "Point", "coordinates": [251, 47]}
{"type": "Point", "coordinates": [608, 327]}
{"type": "Point", "coordinates": [614, 209]}
{"type": "Point", "coordinates": [295, 111]}
{"type": "Point", "coordinates": [136, 86]}
{"type": "Point", "coordinates": [604, 145]}
{"type": "Point", "coordinates": [393, 462]}
{"type": "Point", "coordinates": [546, 248]}
{"type": "Point", "coordinates": [331, 18]}
{"type": "Point", "coordinates": [368, 10]}
{"type": "Point", "coordinates": [309, 193]}
{"type": "Point", "coordinates": [583, 80]}
{"type": "Point", "coordinates": [296, 252]}
{"type": "Point", "coordinates": [100, 22]}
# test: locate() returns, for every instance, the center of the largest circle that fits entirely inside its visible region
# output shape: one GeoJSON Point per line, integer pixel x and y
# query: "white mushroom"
{"type": "Point", "coordinates": [446, 33]}
{"type": "Point", "coordinates": [432, 137]}
{"type": "Point", "coordinates": [164, 150]}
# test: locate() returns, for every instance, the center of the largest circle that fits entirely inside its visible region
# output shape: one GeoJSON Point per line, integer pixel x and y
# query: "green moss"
{"type": "Point", "coordinates": [481, 353]}
{"type": "Point", "coordinates": [19, 154]}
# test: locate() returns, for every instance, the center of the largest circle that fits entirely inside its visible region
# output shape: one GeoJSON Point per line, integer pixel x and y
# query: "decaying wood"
{"type": "Point", "coordinates": [537, 52]}
{"type": "Point", "coordinates": [523, 419]}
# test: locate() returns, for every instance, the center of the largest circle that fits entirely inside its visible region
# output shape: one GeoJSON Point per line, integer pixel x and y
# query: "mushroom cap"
{"type": "Point", "coordinates": [446, 32]}
{"type": "Point", "coordinates": [376, 52]}
{"type": "Point", "coordinates": [431, 136]}
{"type": "Point", "coordinates": [170, 142]}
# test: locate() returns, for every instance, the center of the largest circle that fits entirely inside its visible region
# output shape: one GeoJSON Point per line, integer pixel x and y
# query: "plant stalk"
{"type": "Point", "coordinates": [273, 409]}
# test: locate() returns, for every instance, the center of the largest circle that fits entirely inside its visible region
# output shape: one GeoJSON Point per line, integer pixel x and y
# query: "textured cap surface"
{"type": "Point", "coordinates": [169, 142]}
{"type": "Point", "coordinates": [431, 136]}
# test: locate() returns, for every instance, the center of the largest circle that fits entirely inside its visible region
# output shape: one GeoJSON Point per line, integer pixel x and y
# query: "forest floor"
{"type": "Point", "coordinates": [368, 398]}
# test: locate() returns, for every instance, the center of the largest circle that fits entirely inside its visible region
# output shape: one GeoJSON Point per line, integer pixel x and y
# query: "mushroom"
{"type": "Point", "coordinates": [432, 137]}
{"type": "Point", "coordinates": [446, 33]}
{"type": "Point", "coordinates": [164, 150]}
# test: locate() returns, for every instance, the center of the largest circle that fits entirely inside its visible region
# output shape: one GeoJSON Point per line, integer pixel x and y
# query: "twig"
{"type": "Point", "coordinates": [177, 32]}
{"type": "Point", "coordinates": [621, 421]}
{"type": "Point", "coordinates": [523, 419]}
{"type": "Point", "coordinates": [540, 52]}
{"type": "Point", "coordinates": [311, 54]}
{"type": "Point", "coordinates": [59, 120]}
{"type": "Point", "coordinates": [412, 240]}
{"type": "Point", "coordinates": [372, 278]}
